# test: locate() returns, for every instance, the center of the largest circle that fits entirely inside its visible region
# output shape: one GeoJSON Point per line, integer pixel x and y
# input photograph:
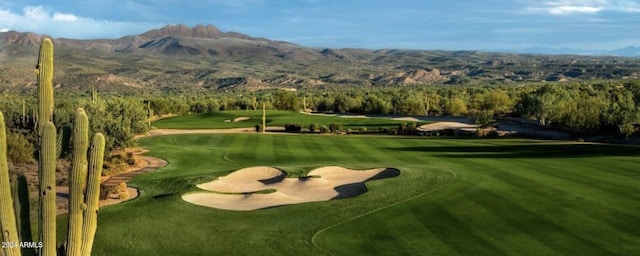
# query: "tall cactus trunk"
{"type": "Point", "coordinates": [90, 217]}
{"type": "Point", "coordinates": [47, 150]}
{"type": "Point", "coordinates": [77, 182]}
{"type": "Point", "coordinates": [47, 189]}
{"type": "Point", "coordinates": [20, 190]}
{"type": "Point", "coordinates": [7, 217]}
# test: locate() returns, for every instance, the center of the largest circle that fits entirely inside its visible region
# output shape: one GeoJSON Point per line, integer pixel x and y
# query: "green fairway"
{"type": "Point", "coordinates": [453, 197]}
{"type": "Point", "coordinates": [223, 119]}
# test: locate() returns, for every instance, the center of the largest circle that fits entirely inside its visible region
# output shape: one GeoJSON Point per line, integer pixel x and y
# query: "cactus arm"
{"type": "Point", "coordinates": [47, 189]}
{"type": "Point", "coordinates": [77, 182]}
{"type": "Point", "coordinates": [63, 140]}
{"type": "Point", "coordinates": [7, 217]}
{"type": "Point", "coordinates": [90, 217]}
{"type": "Point", "coordinates": [45, 84]}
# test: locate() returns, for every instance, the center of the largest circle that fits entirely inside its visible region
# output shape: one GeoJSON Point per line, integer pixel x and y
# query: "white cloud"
{"type": "Point", "coordinates": [56, 24]}
{"type": "Point", "coordinates": [65, 17]}
{"type": "Point", "coordinates": [4, 30]}
{"type": "Point", "coordinates": [568, 7]}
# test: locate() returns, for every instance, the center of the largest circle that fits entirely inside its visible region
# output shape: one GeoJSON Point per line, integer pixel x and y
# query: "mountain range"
{"type": "Point", "coordinates": [205, 58]}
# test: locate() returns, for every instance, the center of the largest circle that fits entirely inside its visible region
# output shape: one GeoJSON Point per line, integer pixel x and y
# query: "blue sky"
{"type": "Point", "coordinates": [409, 24]}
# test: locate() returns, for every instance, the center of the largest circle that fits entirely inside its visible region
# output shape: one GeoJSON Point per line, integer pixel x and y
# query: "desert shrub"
{"type": "Point", "coordinates": [19, 149]}
{"type": "Point", "coordinates": [324, 129]}
{"type": "Point", "coordinates": [335, 127]}
{"type": "Point", "coordinates": [122, 195]}
{"type": "Point", "coordinates": [402, 128]}
{"type": "Point", "coordinates": [104, 192]}
{"type": "Point", "coordinates": [314, 127]}
{"type": "Point", "coordinates": [122, 186]}
{"type": "Point", "coordinates": [293, 127]}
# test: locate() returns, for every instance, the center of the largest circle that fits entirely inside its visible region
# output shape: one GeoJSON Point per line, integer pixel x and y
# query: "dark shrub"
{"type": "Point", "coordinates": [293, 127]}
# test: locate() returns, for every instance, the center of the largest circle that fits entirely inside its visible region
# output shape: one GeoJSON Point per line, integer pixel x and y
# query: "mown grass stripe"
{"type": "Point", "coordinates": [392, 146]}
{"type": "Point", "coordinates": [548, 233]}
{"type": "Point", "coordinates": [347, 147]}
{"type": "Point", "coordinates": [321, 148]}
{"type": "Point", "coordinates": [497, 231]}
{"type": "Point", "coordinates": [447, 228]}
{"type": "Point", "coordinates": [250, 147]}
{"type": "Point", "coordinates": [559, 171]}
{"type": "Point", "coordinates": [281, 150]}
{"type": "Point", "coordinates": [305, 155]}
{"type": "Point", "coordinates": [565, 197]}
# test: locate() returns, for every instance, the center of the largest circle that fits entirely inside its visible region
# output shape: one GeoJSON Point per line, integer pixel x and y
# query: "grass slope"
{"type": "Point", "coordinates": [274, 118]}
{"type": "Point", "coordinates": [454, 197]}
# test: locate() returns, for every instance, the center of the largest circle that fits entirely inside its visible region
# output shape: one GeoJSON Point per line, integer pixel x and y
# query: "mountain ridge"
{"type": "Point", "coordinates": [204, 58]}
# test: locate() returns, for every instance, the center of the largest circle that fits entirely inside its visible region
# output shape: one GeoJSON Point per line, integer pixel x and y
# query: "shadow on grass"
{"type": "Point", "coordinates": [526, 151]}
{"type": "Point", "coordinates": [359, 188]}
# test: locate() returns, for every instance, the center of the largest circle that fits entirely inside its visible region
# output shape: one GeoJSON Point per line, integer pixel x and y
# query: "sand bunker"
{"type": "Point", "coordinates": [406, 118]}
{"type": "Point", "coordinates": [262, 187]}
{"type": "Point", "coordinates": [447, 125]}
{"type": "Point", "coordinates": [240, 119]}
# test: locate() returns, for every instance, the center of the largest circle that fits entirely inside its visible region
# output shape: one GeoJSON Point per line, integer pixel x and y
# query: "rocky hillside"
{"type": "Point", "coordinates": [205, 58]}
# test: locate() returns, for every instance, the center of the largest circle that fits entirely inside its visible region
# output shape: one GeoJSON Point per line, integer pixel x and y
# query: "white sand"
{"type": "Point", "coordinates": [447, 125]}
{"type": "Point", "coordinates": [410, 119]}
{"type": "Point", "coordinates": [240, 119]}
{"type": "Point", "coordinates": [322, 184]}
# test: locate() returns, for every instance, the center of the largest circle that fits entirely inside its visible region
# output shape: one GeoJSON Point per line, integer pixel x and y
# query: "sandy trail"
{"type": "Point", "coordinates": [274, 189]}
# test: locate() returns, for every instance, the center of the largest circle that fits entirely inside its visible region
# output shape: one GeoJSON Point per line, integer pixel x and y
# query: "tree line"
{"type": "Point", "coordinates": [581, 107]}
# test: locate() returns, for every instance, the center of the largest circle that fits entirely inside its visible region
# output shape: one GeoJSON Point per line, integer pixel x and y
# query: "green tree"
{"type": "Point", "coordinates": [456, 107]}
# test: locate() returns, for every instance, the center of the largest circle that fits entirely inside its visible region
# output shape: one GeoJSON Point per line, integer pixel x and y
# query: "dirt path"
{"type": "Point", "coordinates": [154, 163]}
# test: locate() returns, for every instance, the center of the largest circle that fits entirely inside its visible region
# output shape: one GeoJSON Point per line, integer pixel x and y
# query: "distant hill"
{"type": "Point", "coordinates": [204, 58]}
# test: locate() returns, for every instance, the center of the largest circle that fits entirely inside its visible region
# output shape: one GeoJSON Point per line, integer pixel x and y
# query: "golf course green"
{"type": "Point", "coordinates": [225, 119]}
{"type": "Point", "coordinates": [502, 196]}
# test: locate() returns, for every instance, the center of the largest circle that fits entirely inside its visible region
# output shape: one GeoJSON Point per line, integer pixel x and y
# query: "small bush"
{"type": "Point", "coordinates": [19, 149]}
{"type": "Point", "coordinates": [314, 128]}
{"type": "Point", "coordinates": [335, 127]}
{"type": "Point", "coordinates": [258, 128]}
{"type": "Point", "coordinates": [123, 195]}
{"type": "Point", "coordinates": [349, 131]}
{"type": "Point", "coordinates": [362, 130]}
{"type": "Point", "coordinates": [293, 127]}
{"type": "Point", "coordinates": [122, 186]}
{"type": "Point", "coordinates": [324, 129]}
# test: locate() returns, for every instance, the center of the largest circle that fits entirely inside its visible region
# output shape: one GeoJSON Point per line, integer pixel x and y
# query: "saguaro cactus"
{"type": "Point", "coordinates": [47, 189]}
{"type": "Point", "coordinates": [47, 149]}
{"type": "Point", "coordinates": [7, 217]}
{"type": "Point", "coordinates": [83, 190]}
{"type": "Point", "coordinates": [264, 118]}
{"type": "Point", "coordinates": [77, 181]}
{"type": "Point", "coordinates": [90, 216]}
